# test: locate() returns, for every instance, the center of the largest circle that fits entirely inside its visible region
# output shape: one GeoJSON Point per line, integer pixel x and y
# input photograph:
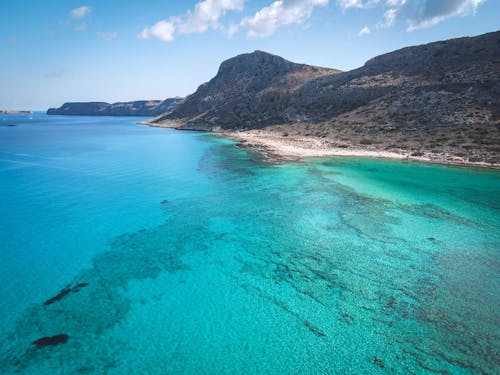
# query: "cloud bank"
{"type": "Point", "coordinates": [280, 13]}
{"type": "Point", "coordinates": [421, 14]}
{"type": "Point", "coordinates": [207, 14]}
{"type": "Point", "coordinates": [418, 14]}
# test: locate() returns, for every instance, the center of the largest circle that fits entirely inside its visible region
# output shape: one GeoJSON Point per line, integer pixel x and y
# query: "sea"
{"type": "Point", "coordinates": [128, 249]}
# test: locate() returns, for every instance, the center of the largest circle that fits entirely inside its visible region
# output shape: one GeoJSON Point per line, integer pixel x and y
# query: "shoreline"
{"type": "Point", "coordinates": [15, 112]}
{"type": "Point", "coordinates": [278, 148]}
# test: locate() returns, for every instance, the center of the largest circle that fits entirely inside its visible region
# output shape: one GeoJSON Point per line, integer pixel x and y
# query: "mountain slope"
{"type": "Point", "coordinates": [442, 97]}
{"type": "Point", "coordinates": [249, 90]}
{"type": "Point", "coordinates": [136, 108]}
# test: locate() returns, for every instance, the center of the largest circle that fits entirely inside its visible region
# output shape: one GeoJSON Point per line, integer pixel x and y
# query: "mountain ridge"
{"type": "Point", "coordinates": [134, 108]}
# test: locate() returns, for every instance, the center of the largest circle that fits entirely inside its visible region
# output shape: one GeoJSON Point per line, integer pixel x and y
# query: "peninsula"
{"type": "Point", "coordinates": [135, 108]}
{"type": "Point", "coordinates": [438, 102]}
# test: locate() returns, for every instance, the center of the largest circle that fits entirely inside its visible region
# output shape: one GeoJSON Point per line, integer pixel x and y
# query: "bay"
{"type": "Point", "coordinates": [160, 251]}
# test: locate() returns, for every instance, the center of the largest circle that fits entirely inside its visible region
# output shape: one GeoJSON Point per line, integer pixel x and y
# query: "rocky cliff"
{"type": "Point", "coordinates": [136, 108]}
{"type": "Point", "coordinates": [438, 97]}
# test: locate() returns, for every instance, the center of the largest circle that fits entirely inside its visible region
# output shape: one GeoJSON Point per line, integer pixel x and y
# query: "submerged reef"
{"type": "Point", "coordinates": [272, 254]}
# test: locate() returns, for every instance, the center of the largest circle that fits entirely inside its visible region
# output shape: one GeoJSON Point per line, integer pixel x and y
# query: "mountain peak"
{"type": "Point", "coordinates": [256, 61]}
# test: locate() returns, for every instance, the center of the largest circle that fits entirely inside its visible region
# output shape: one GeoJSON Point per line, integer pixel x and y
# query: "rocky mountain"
{"type": "Point", "coordinates": [249, 90]}
{"type": "Point", "coordinates": [136, 108]}
{"type": "Point", "coordinates": [438, 97]}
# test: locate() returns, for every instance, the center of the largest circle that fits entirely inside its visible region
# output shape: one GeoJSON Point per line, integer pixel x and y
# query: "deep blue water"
{"type": "Point", "coordinates": [157, 251]}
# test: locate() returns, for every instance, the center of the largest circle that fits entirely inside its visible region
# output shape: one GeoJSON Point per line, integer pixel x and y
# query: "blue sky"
{"type": "Point", "coordinates": [56, 51]}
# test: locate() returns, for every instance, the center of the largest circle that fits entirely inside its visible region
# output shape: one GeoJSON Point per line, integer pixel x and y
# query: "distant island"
{"type": "Point", "coordinates": [437, 102]}
{"type": "Point", "coordinates": [14, 112]}
{"type": "Point", "coordinates": [135, 108]}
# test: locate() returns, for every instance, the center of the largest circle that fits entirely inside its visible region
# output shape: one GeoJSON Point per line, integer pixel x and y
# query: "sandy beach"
{"type": "Point", "coordinates": [293, 148]}
{"type": "Point", "coordinates": [278, 147]}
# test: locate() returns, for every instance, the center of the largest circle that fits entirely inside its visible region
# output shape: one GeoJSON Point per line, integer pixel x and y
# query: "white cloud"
{"type": "Point", "coordinates": [280, 13]}
{"type": "Point", "coordinates": [428, 13]}
{"type": "Point", "coordinates": [361, 4]}
{"type": "Point", "coordinates": [417, 13]}
{"type": "Point", "coordinates": [206, 15]}
{"type": "Point", "coordinates": [77, 18]}
{"type": "Point", "coordinates": [79, 13]}
{"type": "Point", "coordinates": [161, 30]}
{"type": "Point", "coordinates": [364, 31]}
{"type": "Point", "coordinates": [80, 27]}
{"type": "Point", "coordinates": [108, 37]}
{"type": "Point", "coordinates": [389, 17]}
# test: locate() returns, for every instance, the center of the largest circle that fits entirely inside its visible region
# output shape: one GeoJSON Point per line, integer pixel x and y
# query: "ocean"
{"type": "Point", "coordinates": [126, 249]}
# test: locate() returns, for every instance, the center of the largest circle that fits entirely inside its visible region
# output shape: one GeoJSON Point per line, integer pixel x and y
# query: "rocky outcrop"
{"type": "Point", "coordinates": [136, 108]}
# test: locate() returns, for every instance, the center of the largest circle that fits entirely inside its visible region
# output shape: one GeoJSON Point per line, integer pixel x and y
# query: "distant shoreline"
{"type": "Point", "coordinates": [279, 148]}
{"type": "Point", "coordinates": [14, 112]}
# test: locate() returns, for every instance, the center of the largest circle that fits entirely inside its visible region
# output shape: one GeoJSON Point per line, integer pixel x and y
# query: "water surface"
{"type": "Point", "coordinates": [157, 251]}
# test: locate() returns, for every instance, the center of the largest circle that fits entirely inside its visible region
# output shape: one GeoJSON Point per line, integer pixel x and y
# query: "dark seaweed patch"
{"type": "Point", "coordinates": [79, 286]}
{"type": "Point", "coordinates": [390, 303]}
{"type": "Point", "coordinates": [64, 292]}
{"type": "Point", "coordinates": [51, 340]}
{"type": "Point", "coordinates": [378, 362]}
{"type": "Point", "coordinates": [314, 329]}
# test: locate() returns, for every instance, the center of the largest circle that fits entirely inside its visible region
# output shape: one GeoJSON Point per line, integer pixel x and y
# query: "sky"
{"type": "Point", "coordinates": [57, 51]}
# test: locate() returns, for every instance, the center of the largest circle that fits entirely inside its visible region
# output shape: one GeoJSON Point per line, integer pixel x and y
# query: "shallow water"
{"type": "Point", "coordinates": [157, 251]}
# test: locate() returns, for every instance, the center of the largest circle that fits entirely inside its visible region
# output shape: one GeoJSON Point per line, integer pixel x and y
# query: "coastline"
{"type": "Point", "coordinates": [15, 112]}
{"type": "Point", "coordinates": [279, 148]}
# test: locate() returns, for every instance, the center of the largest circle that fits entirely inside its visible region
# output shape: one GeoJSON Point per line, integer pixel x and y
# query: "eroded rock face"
{"type": "Point", "coordinates": [137, 108]}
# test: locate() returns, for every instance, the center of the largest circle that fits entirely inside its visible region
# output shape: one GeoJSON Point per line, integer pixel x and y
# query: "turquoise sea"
{"type": "Point", "coordinates": [152, 251]}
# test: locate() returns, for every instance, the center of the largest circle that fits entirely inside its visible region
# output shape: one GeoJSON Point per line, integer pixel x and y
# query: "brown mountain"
{"type": "Point", "coordinates": [442, 97]}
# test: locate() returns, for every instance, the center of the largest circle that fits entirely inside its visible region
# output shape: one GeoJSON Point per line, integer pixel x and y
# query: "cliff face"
{"type": "Point", "coordinates": [438, 97]}
{"type": "Point", "coordinates": [136, 108]}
